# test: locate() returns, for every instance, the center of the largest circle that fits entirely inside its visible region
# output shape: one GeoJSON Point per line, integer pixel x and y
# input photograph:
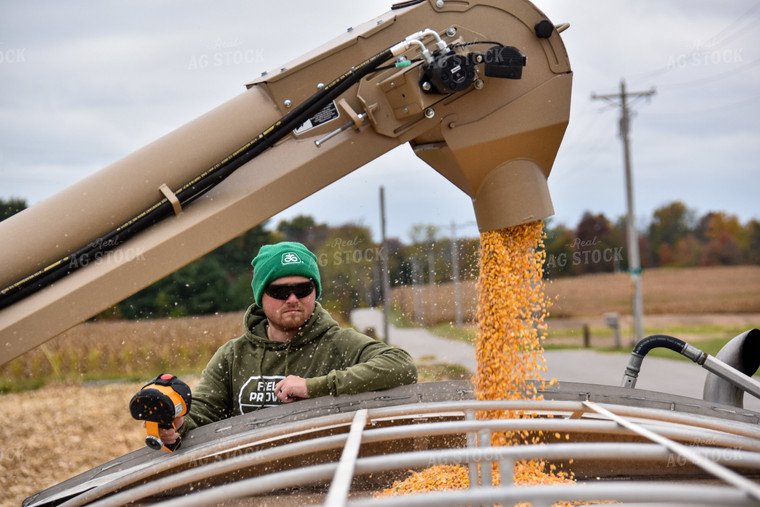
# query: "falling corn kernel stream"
{"type": "Point", "coordinates": [512, 308]}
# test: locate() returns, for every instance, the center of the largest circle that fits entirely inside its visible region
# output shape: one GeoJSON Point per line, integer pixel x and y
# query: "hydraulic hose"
{"type": "Point", "coordinates": [713, 365]}
{"type": "Point", "coordinates": [198, 185]}
{"type": "Point", "coordinates": [658, 340]}
{"type": "Point", "coordinates": [655, 341]}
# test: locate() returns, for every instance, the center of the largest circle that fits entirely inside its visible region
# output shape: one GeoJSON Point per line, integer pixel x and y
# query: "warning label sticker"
{"type": "Point", "coordinates": [328, 113]}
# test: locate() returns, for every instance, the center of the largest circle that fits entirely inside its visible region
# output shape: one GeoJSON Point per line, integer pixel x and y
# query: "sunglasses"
{"type": "Point", "coordinates": [283, 291]}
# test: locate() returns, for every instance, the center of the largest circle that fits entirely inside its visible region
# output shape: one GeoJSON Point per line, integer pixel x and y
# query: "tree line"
{"type": "Point", "coordinates": [675, 237]}
{"type": "Point", "coordinates": [350, 260]}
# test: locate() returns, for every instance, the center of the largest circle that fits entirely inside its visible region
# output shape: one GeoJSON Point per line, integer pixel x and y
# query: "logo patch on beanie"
{"type": "Point", "coordinates": [291, 258]}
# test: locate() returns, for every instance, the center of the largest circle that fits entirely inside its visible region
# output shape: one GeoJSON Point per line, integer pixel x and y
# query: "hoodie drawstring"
{"type": "Point", "coordinates": [287, 360]}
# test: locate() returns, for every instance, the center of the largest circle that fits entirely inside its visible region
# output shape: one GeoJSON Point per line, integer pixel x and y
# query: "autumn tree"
{"type": "Point", "coordinates": [597, 246]}
{"type": "Point", "coordinates": [721, 232]}
{"type": "Point", "coordinates": [349, 263]}
{"type": "Point", "coordinates": [752, 251]}
{"type": "Point", "coordinates": [421, 253]}
{"type": "Point", "coordinates": [304, 229]}
{"type": "Point", "coordinates": [669, 225]}
{"type": "Point", "coordinates": [687, 252]}
{"type": "Point", "coordinates": [559, 250]}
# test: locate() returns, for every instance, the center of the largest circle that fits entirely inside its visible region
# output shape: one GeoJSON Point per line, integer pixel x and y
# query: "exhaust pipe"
{"type": "Point", "coordinates": [742, 353]}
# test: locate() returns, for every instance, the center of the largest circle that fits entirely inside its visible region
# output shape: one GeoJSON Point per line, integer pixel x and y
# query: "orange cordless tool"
{"type": "Point", "coordinates": [158, 403]}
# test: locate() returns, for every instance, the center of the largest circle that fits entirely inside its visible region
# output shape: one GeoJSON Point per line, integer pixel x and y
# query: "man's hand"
{"type": "Point", "coordinates": [171, 435]}
{"type": "Point", "coordinates": [291, 388]}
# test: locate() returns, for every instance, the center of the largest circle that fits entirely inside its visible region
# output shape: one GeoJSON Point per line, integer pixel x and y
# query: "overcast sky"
{"type": "Point", "coordinates": [84, 83]}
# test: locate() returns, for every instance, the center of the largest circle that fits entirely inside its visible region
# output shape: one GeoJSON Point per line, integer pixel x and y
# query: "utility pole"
{"type": "Point", "coordinates": [634, 260]}
{"type": "Point", "coordinates": [385, 270]}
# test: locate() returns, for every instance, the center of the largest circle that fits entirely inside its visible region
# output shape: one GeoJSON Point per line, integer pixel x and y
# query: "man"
{"type": "Point", "coordinates": [291, 348]}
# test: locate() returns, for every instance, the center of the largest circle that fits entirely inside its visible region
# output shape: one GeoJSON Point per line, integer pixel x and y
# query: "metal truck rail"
{"type": "Point", "coordinates": [620, 444]}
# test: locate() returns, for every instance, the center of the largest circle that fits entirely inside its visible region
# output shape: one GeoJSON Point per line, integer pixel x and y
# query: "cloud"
{"type": "Point", "coordinates": [99, 80]}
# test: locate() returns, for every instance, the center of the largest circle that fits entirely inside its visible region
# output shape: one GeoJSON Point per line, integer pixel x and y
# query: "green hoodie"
{"type": "Point", "coordinates": [241, 375]}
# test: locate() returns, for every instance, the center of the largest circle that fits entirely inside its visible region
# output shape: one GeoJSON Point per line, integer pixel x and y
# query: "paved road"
{"type": "Point", "coordinates": [583, 365]}
{"type": "Point", "coordinates": [424, 346]}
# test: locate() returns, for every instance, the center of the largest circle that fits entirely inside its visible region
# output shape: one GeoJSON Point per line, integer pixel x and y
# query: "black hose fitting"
{"type": "Point", "coordinates": [651, 342]}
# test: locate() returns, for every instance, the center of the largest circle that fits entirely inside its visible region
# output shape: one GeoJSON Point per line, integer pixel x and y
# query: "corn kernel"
{"type": "Point", "coordinates": [512, 308]}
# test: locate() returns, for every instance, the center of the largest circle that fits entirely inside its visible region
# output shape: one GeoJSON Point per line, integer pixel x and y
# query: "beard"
{"type": "Point", "coordinates": [290, 317]}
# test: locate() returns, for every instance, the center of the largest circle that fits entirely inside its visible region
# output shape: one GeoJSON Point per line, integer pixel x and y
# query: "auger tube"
{"type": "Point", "coordinates": [495, 137]}
{"type": "Point", "coordinates": [196, 186]}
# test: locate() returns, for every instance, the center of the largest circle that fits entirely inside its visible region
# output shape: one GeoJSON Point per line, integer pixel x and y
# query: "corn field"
{"type": "Point", "coordinates": [124, 349]}
{"type": "Point", "coordinates": [717, 289]}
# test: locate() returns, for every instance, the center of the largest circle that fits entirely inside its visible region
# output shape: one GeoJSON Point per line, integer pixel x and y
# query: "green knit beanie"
{"type": "Point", "coordinates": [283, 259]}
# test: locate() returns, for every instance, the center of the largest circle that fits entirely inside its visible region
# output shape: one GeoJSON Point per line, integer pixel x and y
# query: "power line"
{"type": "Point", "coordinates": [719, 108]}
{"type": "Point", "coordinates": [733, 28]}
{"type": "Point", "coordinates": [715, 77]}
{"type": "Point", "coordinates": [634, 261]}
{"type": "Point", "coordinates": [728, 32]}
